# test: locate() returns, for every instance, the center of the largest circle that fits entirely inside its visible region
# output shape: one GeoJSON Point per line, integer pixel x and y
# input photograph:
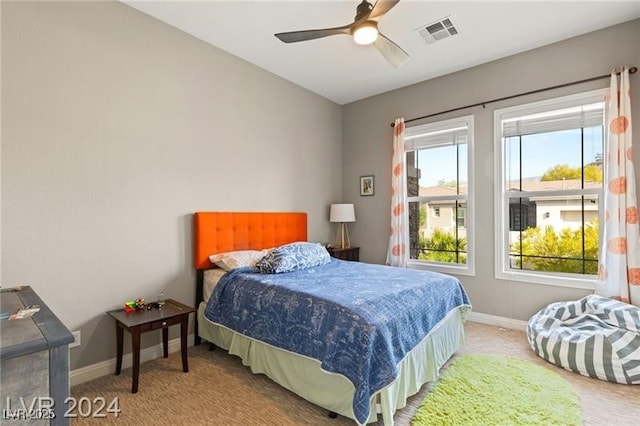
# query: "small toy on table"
{"type": "Point", "coordinates": [134, 306]}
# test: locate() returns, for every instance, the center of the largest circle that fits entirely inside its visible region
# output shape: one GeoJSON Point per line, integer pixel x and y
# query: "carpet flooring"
{"type": "Point", "coordinates": [219, 390]}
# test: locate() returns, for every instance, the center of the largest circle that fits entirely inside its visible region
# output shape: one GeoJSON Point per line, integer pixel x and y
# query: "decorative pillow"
{"type": "Point", "coordinates": [292, 257]}
{"type": "Point", "coordinates": [236, 259]}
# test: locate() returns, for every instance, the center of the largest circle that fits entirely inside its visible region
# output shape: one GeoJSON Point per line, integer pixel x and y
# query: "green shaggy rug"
{"type": "Point", "coordinates": [493, 390]}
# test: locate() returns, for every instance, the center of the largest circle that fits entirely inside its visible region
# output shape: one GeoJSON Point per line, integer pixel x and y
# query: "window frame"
{"type": "Point", "coordinates": [501, 208]}
{"type": "Point", "coordinates": [450, 268]}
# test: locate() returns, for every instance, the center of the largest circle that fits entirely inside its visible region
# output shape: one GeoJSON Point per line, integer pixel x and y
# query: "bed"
{"type": "Point", "coordinates": [369, 375]}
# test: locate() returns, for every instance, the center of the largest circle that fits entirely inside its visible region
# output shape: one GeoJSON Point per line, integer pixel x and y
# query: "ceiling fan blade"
{"type": "Point", "coordinates": [295, 36]}
{"type": "Point", "coordinates": [381, 7]}
{"type": "Point", "coordinates": [391, 51]}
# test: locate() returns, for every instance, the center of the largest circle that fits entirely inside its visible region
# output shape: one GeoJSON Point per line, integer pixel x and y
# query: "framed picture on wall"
{"type": "Point", "coordinates": [366, 185]}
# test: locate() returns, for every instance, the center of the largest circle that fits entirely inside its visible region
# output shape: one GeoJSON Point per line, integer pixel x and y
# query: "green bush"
{"type": "Point", "coordinates": [442, 247]}
{"type": "Point", "coordinates": [541, 250]}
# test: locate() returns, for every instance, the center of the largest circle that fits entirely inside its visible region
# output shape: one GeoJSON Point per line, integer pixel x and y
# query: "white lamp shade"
{"type": "Point", "coordinates": [342, 213]}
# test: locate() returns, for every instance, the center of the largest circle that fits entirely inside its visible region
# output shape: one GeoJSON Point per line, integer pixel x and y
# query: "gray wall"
{"type": "Point", "coordinates": [115, 128]}
{"type": "Point", "coordinates": [367, 146]}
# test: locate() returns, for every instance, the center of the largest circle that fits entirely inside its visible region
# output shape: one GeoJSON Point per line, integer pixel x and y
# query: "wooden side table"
{"type": "Point", "coordinates": [347, 253]}
{"type": "Point", "coordinates": [137, 322]}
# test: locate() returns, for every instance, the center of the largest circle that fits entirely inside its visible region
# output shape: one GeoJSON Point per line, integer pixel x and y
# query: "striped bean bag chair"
{"type": "Point", "coordinates": [594, 336]}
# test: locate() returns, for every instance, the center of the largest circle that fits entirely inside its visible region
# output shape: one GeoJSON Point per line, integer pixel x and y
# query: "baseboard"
{"type": "Point", "coordinates": [497, 321]}
{"type": "Point", "coordinates": [104, 368]}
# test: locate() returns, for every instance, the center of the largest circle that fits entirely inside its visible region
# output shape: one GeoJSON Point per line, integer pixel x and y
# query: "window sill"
{"type": "Point", "coordinates": [442, 268]}
{"type": "Point", "coordinates": [584, 282]}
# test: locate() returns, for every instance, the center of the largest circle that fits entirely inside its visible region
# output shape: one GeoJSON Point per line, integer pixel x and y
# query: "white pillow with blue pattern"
{"type": "Point", "coordinates": [293, 257]}
{"type": "Point", "coordinates": [235, 259]}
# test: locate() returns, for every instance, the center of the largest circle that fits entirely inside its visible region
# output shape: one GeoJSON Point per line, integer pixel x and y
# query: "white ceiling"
{"type": "Point", "coordinates": [342, 71]}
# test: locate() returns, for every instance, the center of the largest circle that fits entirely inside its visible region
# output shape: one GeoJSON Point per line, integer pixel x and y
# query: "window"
{"type": "Point", "coordinates": [460, 215]}
{"type": "Point", "coordinates": [550, 178]}
{"type": "Point", "coordinates": [522, 214]}
{"type": "Point", "coordinates": [439, 158]}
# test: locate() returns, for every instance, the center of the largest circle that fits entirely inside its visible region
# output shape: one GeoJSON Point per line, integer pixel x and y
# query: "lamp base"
{"type": "Point", "coordinates": [342, 236]}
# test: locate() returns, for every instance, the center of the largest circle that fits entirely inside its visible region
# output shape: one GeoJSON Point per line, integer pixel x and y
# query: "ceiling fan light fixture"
{"type": "Point", "coordinates": [365, 33]}
{"type": "Point", "coordinates": [363, 29]}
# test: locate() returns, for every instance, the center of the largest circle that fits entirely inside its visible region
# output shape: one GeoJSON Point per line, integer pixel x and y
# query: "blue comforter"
{"type": "Point", "coordinates": [358, 319]}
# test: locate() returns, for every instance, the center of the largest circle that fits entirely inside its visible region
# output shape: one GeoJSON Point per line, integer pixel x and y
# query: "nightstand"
{"type": "Point", "coordinates": [137, 322]}
{"type": "Point", "coordinates": [347, 253]}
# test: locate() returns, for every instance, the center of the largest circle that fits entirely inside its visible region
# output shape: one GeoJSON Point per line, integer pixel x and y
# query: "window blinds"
{"type": "Point", "coordinates": [451, 132]}
{"type": "Point", "coordinates": [589, 115]}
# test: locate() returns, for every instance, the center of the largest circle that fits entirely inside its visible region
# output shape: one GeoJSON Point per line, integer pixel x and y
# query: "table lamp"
{"type": "Point", "coordinates": [342, 213]}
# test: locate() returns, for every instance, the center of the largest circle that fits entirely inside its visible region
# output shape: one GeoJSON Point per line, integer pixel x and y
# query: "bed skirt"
{"type": "Point", "coordinates": [305, 377]}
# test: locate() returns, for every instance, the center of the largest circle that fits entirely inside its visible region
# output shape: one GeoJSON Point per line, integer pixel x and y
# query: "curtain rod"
{"type": "Point", "coordinates": [632, 70]}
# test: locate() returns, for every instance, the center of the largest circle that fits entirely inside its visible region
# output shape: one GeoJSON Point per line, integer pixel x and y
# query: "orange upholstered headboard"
{"type": "Point", "coordinates": [218, 232]}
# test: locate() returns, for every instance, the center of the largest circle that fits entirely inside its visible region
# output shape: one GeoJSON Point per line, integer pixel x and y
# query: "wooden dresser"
{"type": "Point", "coordinates": [34, 353]}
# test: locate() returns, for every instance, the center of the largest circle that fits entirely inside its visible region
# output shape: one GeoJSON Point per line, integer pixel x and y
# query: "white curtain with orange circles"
{"type": "Point", "coordinates": [619, 259]}
{"type": "Point", "coordinates": [399, 238]}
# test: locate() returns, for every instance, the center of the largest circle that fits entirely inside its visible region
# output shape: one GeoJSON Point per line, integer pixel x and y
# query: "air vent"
{"type": "Point", "coordinates": [437, 30]}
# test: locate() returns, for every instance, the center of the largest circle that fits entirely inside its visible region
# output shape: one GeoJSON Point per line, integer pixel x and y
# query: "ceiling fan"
{"type": "Point", "coordinates": [364, 30]}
